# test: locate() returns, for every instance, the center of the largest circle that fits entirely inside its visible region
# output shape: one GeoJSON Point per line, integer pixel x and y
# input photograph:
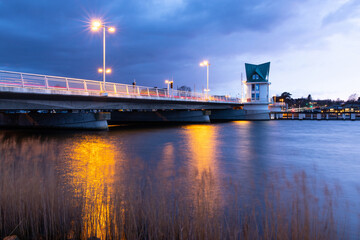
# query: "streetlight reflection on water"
{"type": "Point", "coordinates": [106, 176]}
{"type": "Point", "coordinates": [92, 174]}
{"type": "Point", "coordinates": [202, 144]}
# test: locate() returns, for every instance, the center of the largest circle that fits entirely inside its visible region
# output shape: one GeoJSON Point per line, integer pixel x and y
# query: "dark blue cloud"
{"type": "Point", "coordinates": [154, 39]}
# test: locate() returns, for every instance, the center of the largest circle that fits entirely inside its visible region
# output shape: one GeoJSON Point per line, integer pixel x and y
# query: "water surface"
{"type": "Point", "coordinates": [257, 156]}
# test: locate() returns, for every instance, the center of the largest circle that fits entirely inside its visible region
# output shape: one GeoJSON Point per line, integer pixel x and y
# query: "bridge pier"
{"type": "Point", "coordinates": [171, 116]}
{"type": "Point", "coordinates": [250, 112]}
{"type": "Point", "coordinates": [81, 120]}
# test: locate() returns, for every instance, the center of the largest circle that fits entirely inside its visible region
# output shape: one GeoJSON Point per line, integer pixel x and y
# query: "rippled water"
{"type": "Point", "coordinates": [255, 155]}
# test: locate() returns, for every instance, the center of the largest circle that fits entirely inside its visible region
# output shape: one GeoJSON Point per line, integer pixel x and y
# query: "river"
{"type": "Point", "coordinates": [311, 167]}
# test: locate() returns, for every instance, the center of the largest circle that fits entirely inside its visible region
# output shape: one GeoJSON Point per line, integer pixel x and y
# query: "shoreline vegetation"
{"type": "Point", "coordinates": [39, 200]}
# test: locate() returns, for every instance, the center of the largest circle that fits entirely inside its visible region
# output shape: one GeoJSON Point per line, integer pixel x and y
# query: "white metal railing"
{"type": "Point", "coordinates": [36, 81]}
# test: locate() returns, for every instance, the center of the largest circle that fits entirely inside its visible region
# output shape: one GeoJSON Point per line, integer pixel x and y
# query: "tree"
{"type": "Point", "coordinates": [184, 88]}
{"type": "Point", "coordinates": [287, 97]}
{"type": "Point", "coordinates": [353, 97]}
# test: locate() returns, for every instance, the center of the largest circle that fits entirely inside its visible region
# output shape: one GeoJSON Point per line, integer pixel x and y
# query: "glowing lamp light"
{"type": "Point", "coordinates": [204, 63]}
{"type": "Point", "coordinates": [100, 70]}
{"type": "Point", "coordinates": [111, 29]}
{"type": "Point", "coordinates": [96, 24]}
{"type": "Point", "coordinates": [167, 81]}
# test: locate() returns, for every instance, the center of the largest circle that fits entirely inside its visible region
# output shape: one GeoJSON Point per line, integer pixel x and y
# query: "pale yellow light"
{"type": "Point", "coordinates": [204, 63]}
{"type": "Point", "coordinates": [108, 70]}
{"type": "Point", "coordinates": [100, 70]}
{"type": "Point", "coordinates": [111, 29]}
{"type": "Point", "coordinates": [167, 81]}
{"type": "Point", "coordinates": [94, 29]}
{"type": "Point", "coordinates": [96, 24]}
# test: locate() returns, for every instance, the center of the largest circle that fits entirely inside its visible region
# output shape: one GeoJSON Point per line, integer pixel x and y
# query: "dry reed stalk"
{"type": "Point", "coordinates": [38, 201]}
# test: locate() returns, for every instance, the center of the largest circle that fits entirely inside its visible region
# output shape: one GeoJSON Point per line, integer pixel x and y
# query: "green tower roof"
{"type": "Point", "coordinates": [257, 73]}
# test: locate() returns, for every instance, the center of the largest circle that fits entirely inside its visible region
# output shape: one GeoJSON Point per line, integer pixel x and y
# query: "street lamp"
{"type": "Point", "coordinates": [95, 26]}
{"type": "Point", "coordinates": [207, 64]}
{"type": "Point", "coordinates": [108, 70]}
{"type": "Point", "coordinates": [168, 82]}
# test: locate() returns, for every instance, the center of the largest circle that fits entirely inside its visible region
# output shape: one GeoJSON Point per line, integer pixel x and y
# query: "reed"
{"type": "Point", "coordinates": [37, 201]}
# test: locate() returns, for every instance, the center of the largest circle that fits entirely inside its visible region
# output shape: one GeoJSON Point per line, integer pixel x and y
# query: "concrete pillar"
{"type": "Point", "coordinates": [172, 116]}
{"type": "Point", "coordinates": [94, 121]}
{"type": "Point", "coordinates": [352, 116]}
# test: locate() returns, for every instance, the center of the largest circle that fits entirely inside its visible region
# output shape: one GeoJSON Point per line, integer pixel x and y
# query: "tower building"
{"type": "Point", "coordinates": [257, 83]}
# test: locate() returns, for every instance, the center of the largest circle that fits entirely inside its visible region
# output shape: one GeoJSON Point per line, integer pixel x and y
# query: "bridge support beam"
{"type": "Point", "coordinates": [249, 112]}
{"type": "Point", "coordinates": [92, 121]}
{"type": "Point", "coordinates": [171, 116]}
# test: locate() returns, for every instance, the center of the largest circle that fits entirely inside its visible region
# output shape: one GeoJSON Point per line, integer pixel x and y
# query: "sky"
{"type": "Point", "coordinates": [313, 45]}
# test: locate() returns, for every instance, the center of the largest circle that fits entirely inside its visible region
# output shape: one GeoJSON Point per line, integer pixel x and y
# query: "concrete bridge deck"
{"type": "Point", "coordinates": [23, 91]}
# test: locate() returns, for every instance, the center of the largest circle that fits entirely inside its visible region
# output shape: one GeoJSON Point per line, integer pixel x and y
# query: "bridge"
{"type": "Point", "coordinates": [43, 100]}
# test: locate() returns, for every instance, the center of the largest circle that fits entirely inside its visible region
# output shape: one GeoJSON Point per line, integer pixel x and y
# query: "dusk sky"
{"type": "Point", "coordinates": [313, 45]}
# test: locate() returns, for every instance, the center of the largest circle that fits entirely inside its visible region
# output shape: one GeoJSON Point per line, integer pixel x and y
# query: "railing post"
{"type": "Point", "coordinates": [22, 80]}
{"type": "Point", "coordinates": [114, 88]}
{"type": "Point", "coordinates": [148, 92]}
{"type": "Point", "coordinates": [138, 90]}
{"type": "Point", "coordinates": [101, 88]}
{"type": "Point", "coordinates": [85, 86]}
{"type": "Point", "coordinates": [157, 92]}
{"type": "Point", "coordinates": [46, 83]}
{"type": "Point", "coordinates": [67, 83]}
{"type": "Point", "coordinates": [127, 90]}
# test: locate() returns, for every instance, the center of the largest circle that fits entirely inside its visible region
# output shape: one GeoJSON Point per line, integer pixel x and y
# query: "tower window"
{"type": "Point", "coordinates": [255, 77]}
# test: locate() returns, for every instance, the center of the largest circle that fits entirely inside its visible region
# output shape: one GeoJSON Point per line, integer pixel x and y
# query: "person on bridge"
{"type": "Point", "coordinates": [134, 86]}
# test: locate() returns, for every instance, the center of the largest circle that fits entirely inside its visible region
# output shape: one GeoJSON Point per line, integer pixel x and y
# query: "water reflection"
{"type": "Point", "coordinates": [169, 183]}
{"type": "Point", "coordinates": [202, 147]}
{"type": "Point", "coordinates": [92, 174]}
{"type": "Point", "coordinates": [166, 165]}
{"type": "Point", "coordinates": [202, 144]}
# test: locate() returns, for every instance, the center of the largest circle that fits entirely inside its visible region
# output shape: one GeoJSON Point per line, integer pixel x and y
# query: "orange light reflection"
{"type": "Point", "coordinates": [92, 172]}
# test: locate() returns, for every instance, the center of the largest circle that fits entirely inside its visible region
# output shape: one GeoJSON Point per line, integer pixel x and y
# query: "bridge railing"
{"type": "Point", "coordinates": [36, 81]}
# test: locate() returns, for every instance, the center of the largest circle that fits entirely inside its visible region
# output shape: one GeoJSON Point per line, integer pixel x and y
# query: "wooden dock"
{"type": "Point", "coordinates": [315, 116]}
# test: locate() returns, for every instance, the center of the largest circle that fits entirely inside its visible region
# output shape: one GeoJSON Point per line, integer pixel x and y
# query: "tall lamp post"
{"type": "Point", "coordinates": [95, 26]}
{"type": "Point", "coordinates": [207, 64]}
